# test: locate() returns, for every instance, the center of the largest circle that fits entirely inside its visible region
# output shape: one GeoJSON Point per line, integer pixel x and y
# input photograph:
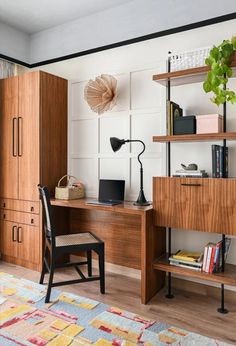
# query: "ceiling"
{"type": "Point", "coordinates": [31, 16]}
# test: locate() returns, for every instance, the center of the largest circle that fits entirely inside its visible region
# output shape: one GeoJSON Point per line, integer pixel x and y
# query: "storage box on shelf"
{"type": "Point", "coordinates": [178, 202]}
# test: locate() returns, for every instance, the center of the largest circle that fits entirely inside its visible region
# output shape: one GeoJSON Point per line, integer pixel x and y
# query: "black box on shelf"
{"type": "Point", "coordinates": [185, 125]}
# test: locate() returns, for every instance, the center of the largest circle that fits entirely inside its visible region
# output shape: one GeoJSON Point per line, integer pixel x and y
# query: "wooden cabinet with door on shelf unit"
{"type": "Point", "coordinates": [178, 201]}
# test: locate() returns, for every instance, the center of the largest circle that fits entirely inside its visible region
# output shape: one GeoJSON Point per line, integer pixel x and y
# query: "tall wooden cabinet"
{"type": "Point", "coordinates": [33, 150]}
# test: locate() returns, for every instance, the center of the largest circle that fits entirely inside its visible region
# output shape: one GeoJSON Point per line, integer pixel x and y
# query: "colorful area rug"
{"type": "Point", "coordinates": [26, 320]}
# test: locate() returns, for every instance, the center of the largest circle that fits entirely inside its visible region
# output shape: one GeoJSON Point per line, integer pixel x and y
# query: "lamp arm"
{"type": "Point", "coordinates": [144, 147]}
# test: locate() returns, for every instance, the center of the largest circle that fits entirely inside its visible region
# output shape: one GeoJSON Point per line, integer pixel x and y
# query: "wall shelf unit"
{"type": "Point", "coordinates": [178, 202]}
{"type": "Point", "coordinates": [201, 137]}
{"type": "Point", "coordinates": [192, 75]}
{"type": "Point", "coordinates": [228, 277]}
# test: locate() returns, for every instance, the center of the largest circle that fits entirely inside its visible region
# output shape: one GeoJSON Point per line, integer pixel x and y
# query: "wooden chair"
{"type": "Point", "coordinates": [56, 246]}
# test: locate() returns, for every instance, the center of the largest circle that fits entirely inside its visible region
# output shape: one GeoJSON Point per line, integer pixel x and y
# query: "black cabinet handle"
{"type": "Point", "coordinates": [20, 144]}
{"type": "Point", "coordinates": [189, 184]}
{"type": "Point", "coordinates": [4, 205]}
{"type": "Point", "coordinates": [13, 137]}
{"type": "Point", "coordinates": [32, 220]}
{"type": "Point", "coordinates": [19, 236]}
{"type": "Point", "coordinates": [13, 233]}
{"type": "Point", "coordinates": [32, 209]}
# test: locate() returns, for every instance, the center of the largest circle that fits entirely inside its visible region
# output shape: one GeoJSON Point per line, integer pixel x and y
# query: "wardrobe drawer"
{"type": "Point", "coordinates": [205, 204]}
{"type": "Point", "coordinates": [19, 217]}
{"type": "Point", "coordinates": [20, 205]}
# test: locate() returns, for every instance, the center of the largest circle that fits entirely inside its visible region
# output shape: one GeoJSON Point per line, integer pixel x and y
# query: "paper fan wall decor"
{"type": "Point", "coordinates": [101, 93]}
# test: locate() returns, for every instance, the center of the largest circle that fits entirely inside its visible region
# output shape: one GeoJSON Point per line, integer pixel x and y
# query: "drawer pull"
{"type": "Point", "coordinates": [4, 205]}
{"type": "Point", "coordinates": [19, 235]}
{"type": "Point", "coordinates": [32, 220]}
{"type": "Point", "coordinates": [189, 184]}
{"type": "Point", "coordinates": [4, 216]}
{"type": "Point", "coordinates": [32, 209]}
{"type": "Point", "coordinates": [13, 233]}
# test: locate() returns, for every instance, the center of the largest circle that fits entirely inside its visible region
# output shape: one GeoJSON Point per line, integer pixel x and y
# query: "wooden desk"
{"type": "Point", "coordinates": [131, 239]}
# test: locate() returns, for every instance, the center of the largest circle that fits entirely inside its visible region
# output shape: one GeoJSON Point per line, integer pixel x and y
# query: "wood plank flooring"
{"type": "Point", "coordinates": [192, 311]}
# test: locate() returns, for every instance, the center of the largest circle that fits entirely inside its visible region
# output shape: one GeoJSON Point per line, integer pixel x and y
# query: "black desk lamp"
{"type": "Point", "coordinates": [116, 144]}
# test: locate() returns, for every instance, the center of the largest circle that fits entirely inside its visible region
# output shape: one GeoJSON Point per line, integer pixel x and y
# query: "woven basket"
{"type": "Point", "coordinates": [74, 189]}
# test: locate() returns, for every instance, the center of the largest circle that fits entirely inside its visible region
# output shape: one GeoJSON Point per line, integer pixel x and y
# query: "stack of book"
{"type": "Point", "coordinates": [219, 161]}
{"type": "Point", "coordinates": [186, 259]}
{"type": "Point", "coordinates": [173, 111]}
{"type": "Point", "coordinates": [190, 173]}
{"type": "Point", "coordinates": [212, 260]}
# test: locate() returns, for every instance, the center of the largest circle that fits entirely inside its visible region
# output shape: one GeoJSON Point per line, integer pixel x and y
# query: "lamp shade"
{"type": "Point", "coordinates": [116, 143]}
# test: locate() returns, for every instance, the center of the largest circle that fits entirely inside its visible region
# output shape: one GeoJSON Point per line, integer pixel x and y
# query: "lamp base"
{"type": "Point", "coordinates": [142, 204]}
{"type": "Point", "coordinates": [141, 201]}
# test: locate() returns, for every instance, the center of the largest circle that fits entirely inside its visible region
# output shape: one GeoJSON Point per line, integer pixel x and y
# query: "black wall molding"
{"type": "Point", "coordinates": [172, 31]}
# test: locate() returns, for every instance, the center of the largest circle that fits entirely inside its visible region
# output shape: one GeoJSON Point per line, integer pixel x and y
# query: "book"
{"type": "Point", "coordinates": [217, 257]}
{"type": "Point", "coordinates": [187, 266]}
{"type": "Point", "coordinates": [212, 259]}
{"type": "Point", "coordinates": [188, 256]}
{"type": "Point", "coordinates": [193, 264]}
{"type": "Point", "coordinates": [213, 153]}
{"type": "Point", "coordinates": [205, 258]}
{"type": "Point", "coordinates": [219, 161]}
{"type": "Point", "coordinates": [173, 111]}
{"type": "Point", "coordinates": [208, 260]}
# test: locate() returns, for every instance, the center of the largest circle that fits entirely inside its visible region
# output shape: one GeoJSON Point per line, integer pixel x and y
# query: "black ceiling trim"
{"type": "Point", "coordinates": [16, 61]}
{"type": "Point", "coordinates": [172, 31]}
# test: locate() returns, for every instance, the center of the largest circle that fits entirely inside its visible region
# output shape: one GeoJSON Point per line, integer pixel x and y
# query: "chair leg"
{"type": "Point", "coordinates": [89, 259]}
{"type": "Point", "coordinates": [101, 260]}
{"type": "Point", "coordinates": [44, 268]}
{"type": "Point", "coordinates": [52, 268]}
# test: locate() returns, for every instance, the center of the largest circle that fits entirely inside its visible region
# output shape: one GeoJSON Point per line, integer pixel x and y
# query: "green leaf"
{"type": "Point", "coordinates": [229, 72]}
{"type": "Point", "coordinates": [227, 50]}
{"type": "Point", "coordinates": [214, 53]}
{"type": "Point", "coordinates": [207, 86]}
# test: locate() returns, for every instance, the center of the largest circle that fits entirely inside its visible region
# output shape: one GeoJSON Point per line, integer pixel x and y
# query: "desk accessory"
{"type": "Point", "coordinates": [73, 189]}
{"type": "Point", "coordinates": [116, 144]}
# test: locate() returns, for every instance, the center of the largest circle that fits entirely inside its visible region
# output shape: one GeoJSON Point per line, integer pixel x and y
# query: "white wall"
{"type": "Point", "coordinates": [140, 111]}
{"type": "Point", "coordinates": [14, 43]}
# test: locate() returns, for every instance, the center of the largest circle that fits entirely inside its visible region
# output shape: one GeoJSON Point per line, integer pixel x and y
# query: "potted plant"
{"type": "Point", "coordinates": [220, 59]}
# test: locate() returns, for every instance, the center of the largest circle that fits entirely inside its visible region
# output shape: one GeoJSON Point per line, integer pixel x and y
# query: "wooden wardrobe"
{"type": "Point", "coordinates": [33, 150]}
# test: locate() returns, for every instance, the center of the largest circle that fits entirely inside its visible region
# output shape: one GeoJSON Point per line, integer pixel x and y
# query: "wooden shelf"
{"type": "Point", "coordinates": [192, 75]}
{"type": "Point", "coordinates": [203, 137]}
{"type": "Point", "coordinates": [227, 278]}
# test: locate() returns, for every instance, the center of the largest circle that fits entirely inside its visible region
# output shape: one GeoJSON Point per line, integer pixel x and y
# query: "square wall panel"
{"type": "Point", "coordinates": [151, 167]}
{"type": "Point", "coordinates": [114, 168]}
{"type": "Point", "coordinates": [78, 106]}
{"type": "Point", "coordinates": [144, 127]}
{"type": "Point", "coordinates": [113, 126]}
{"type": "Point", "coordinates": [84, 137]}
{"type": "Point", "coordinates": [86, 170]}
{"type": "Point", "coordinates": [145, 94]}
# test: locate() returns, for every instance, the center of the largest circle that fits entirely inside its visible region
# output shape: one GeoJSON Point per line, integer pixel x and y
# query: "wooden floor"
{"type": "Point", "coordinates": [192, 311]}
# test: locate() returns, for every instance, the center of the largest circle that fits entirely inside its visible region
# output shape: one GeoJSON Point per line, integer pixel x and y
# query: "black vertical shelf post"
{"type": "Point", "coordinates": [222, 309]}
{"type": "Point", "coordinates": [169, 294]}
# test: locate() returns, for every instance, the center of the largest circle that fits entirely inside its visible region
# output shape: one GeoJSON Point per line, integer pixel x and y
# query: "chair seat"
{"type": "Point", "coordinates": [75, 239]}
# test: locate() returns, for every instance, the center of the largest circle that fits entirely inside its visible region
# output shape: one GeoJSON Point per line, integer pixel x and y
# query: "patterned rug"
{"type": "Point", "coordinates": [73, 320]}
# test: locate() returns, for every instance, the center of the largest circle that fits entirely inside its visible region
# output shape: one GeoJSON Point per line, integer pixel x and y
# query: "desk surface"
{"type": "Point", "coordinates": [124, 208]}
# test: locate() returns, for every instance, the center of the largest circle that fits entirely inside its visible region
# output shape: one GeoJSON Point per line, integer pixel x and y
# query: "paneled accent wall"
{"type": "Point", "coordinates": [138, 114]}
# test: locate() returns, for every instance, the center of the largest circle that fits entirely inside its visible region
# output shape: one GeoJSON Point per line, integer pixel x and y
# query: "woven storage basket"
{"type": "Point", "coordinates": [69, 191]}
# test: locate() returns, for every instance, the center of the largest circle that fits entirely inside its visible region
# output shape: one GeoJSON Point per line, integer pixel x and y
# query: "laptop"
{"type": "Point", "coordinates": [111, 192]}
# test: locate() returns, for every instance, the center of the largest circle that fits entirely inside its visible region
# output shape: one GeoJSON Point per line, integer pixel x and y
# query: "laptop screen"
{"type": "Point", "coordinates": [111, 190]}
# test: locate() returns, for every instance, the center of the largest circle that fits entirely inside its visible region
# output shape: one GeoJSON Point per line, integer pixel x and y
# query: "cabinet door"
{"type": "Point", "coordinates": [195, 204]}
{"type": "Point", "coordinates": [28, 123]}
{"type": "Point", "coordinates": [8, 138]}
{"type": "Point", "coordinates": [28, 243]}
{"type": "Point", "coordinates": [9, 238]}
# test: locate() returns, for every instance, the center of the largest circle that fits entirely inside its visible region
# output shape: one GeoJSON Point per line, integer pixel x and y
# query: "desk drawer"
{"type": "Point", "coordinates": [19, 217]}
{"type": "Point", "coordinates": [20, 205]}
{"type": "Point", "coordinates": [197, 204]}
